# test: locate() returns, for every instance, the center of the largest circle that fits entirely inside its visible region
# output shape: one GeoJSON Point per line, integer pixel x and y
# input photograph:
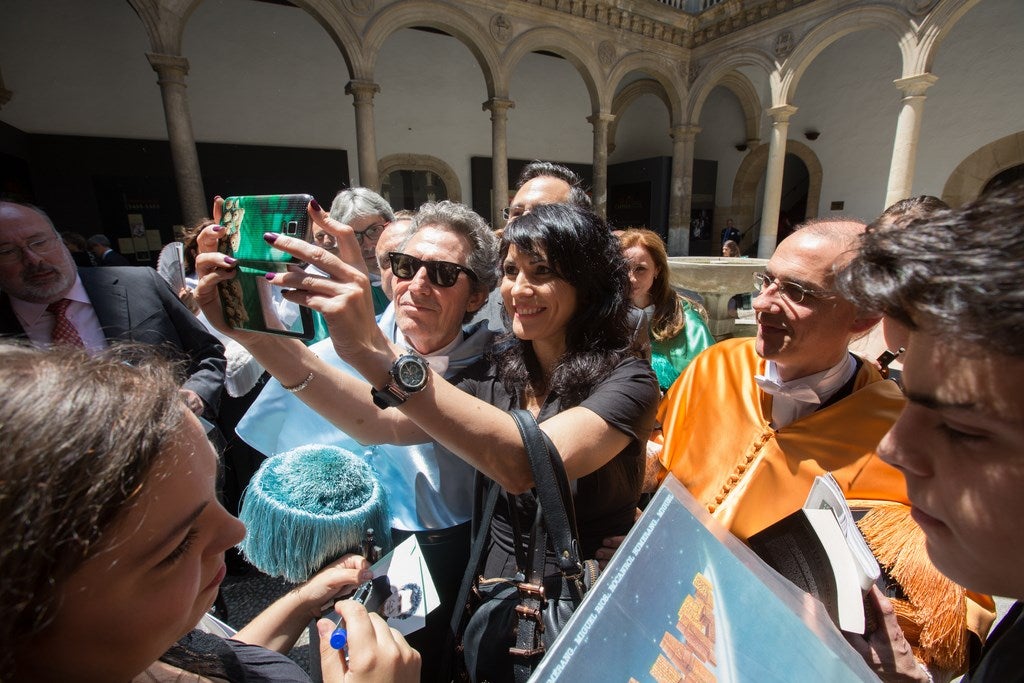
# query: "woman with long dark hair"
{"type": "Point", "coordinates": [568, 359]}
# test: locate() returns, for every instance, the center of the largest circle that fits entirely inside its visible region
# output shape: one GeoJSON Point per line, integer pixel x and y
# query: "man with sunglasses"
{"type": "Point", "coordinates": [442, 272]}
{"type": "Point", "coordinates": [751, 422]}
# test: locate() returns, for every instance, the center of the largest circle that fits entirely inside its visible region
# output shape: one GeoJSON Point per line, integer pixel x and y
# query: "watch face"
{"type": "Point", "coordinates": [412, 373]}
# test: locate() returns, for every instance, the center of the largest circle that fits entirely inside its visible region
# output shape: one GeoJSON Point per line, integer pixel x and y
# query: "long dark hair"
{"type": "Point", "coordinates": [581, 250]}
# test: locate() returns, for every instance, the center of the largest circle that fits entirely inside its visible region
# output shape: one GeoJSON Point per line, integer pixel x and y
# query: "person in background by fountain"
{"type": "Point", "coordinates": [678, 325]}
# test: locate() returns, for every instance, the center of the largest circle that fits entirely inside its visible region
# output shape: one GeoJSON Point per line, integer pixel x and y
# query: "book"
{"type": "Point", "coordinates": [684, 599]}
{"type": "Point", "coordinates": [820, 549]}
{"type": "Point", "coordinates": [171, 265]}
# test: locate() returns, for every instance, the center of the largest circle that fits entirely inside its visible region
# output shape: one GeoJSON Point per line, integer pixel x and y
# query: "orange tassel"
{"type": "Point", "coordinates": [934, 615]}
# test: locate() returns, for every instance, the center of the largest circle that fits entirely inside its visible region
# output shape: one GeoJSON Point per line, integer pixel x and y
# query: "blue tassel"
{"type": "Point", "coordinates": [307, 507]}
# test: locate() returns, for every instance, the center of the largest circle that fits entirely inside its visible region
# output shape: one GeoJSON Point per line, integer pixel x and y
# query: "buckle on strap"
{"type": "Point", "coordinates": [521, 652]}
{"type": "Point", "coordinates": [531, 590]}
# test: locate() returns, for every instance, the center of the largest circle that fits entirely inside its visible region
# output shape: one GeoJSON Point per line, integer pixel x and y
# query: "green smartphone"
{"type": "Point", "coordinates": [249, 301]}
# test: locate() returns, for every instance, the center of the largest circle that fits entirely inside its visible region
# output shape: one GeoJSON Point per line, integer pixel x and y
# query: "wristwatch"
{"type": "Point", "coordinates": [409, 374]}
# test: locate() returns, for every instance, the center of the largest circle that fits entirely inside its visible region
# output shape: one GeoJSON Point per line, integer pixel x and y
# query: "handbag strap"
{"type": "Point", "coordinates": [481, 530]}
{"type": "Point", "coordinates": [552, 486]}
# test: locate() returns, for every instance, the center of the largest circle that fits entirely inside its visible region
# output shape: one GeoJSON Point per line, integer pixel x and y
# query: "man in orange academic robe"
{"type": "Point", "coordinates": [752, 422]}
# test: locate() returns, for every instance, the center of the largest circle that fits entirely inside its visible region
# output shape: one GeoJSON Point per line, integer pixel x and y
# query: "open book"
{"type": "Point", "coordinates": [684, 600]}
{"type": "Point", "coordinates": [820, 549]}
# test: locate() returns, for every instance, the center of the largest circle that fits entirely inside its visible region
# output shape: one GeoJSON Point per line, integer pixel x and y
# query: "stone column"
{"type": "Point", "coordinates": [600, 120]}
{"type": "Point", "coordinates": [499, 156]}
{"type": "Point", "coordinates": [171, 71]}
{"type": "Point", "coordinates": [681, 189]}
{"type": "Point", "coordinates": [908, 131]}
{"type": "Point", "coordinates": [773, 179]}
{"type": "Point", "coordinates": [366, 144]}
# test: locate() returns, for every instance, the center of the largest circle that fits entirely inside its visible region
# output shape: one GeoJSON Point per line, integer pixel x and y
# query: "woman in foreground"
{"type": "Point", "coordinates": [112, 539]}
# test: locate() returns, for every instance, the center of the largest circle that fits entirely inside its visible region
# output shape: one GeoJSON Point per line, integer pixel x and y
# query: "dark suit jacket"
{"type": "Point", "coordinates": [112, 258]}
{"type": "Point", "coordinates": [135, 304]}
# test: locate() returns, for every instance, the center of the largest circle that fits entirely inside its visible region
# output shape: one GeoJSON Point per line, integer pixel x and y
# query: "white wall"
{"type": "Point", "coordinates": [267, 74]}
{"type": "Point", "coordinates": [847, 95]}
{"type": "Point", "coordinates": [979, 96]}
{"type": "Point", "coordinates": [642, 131]}
{"type": "Point", "coordinates": [78, 68]}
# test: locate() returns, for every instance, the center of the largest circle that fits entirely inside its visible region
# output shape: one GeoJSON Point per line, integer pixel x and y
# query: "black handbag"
{"type": "Point", "coordinates": [510, 622]}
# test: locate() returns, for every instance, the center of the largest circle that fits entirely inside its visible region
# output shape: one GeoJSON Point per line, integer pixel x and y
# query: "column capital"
{"type": "Point", "coordinates": [913, 86]}
{"type": "Point", "coordinates": [363, 91]}
{"type": "Point", "coordinates": [781, 113]}
{"type": "Point", "coordinates": [497, 105]}
{"type": "Point", "coordinates": [684, 133]}
{"type": "Point", "coordinates": [600, 117]}
{"type": "Point", "coordinates": [170, 68]}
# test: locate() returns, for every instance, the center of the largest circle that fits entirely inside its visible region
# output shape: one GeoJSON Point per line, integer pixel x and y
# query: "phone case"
{"type": "Point", "coordinates": [247, 218]}
{"type": "Point", "coordinates": [249, 301]}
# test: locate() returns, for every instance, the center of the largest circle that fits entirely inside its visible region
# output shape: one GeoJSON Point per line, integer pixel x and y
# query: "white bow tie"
{"type": "Point", "coordinates": [798, 392]}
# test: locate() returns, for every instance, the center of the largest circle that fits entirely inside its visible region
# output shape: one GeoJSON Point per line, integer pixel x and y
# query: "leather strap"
{"type": "Point", "coordinates": [554, 526]}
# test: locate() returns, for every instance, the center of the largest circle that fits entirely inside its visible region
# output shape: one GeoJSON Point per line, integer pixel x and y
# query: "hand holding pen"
{"type": "Point", "coordinates": [376, 653]}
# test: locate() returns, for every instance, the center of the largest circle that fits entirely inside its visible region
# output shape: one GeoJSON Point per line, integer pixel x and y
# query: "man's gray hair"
{"type": "Point", "coordinates": [460, 219]}
{"type": "Point", "coordinates": [357, 202]}
{"type": "Point", "coordinates": [101, 240]}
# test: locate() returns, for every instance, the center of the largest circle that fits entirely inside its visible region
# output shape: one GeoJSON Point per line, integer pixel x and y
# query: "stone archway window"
{"type": "Point", "coordinates": [410, 180]}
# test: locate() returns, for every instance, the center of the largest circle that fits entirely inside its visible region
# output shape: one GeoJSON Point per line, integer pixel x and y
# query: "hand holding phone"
{"type": "Point", "coordinates": [249, 301]}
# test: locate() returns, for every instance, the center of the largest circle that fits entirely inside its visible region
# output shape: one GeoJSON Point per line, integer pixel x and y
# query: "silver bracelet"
{"type": "Point", "coordinates": [300, 386]}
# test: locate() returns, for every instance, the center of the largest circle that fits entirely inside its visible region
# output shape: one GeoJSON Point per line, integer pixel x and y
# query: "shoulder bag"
{"type": "Point", "coordinates": [509, 622]}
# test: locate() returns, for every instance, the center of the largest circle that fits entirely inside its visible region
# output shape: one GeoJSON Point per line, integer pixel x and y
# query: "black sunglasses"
{"type": "Point", "coordinates": [441, 273]}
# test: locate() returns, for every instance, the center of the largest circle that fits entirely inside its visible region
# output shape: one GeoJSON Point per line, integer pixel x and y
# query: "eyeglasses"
{"type": "Point", "coordinates": [441, 273]}
{"type": "Point", "coordinates": [38, 246]}
{"type": "Point", "coordinates": [510, 212]}
{"type": "Point", "coordinates": [790, 291]}
{"type": "Point", "coordinates": [371, 233]}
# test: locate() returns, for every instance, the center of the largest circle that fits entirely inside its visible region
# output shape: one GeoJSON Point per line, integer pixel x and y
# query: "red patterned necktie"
{"type": "Point", "coordinates": [63, 331]}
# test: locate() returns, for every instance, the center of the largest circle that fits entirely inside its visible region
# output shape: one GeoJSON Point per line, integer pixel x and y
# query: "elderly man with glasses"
{"type": "Point", "coordinates": [751, 422]}
{"type": "Point", "coordinates": [368, 214]}
{"type": "Point", "coordinates": [442, 272]}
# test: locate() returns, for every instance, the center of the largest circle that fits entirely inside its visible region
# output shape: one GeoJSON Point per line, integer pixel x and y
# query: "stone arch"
{"type": "Point", "coordinates": [628, 95]}
{"type": "Point", "coordinates": [423, 162]}
{"type": "Point", "coordinates": [831, 30]}
{"type": "Point", "coordinates": [332, 17]}
{"type": "Point", "coordinates": [166, 21]}
{"type": "Point", "coordinates": [934, 29]}
{"type": "Point", "coordinates": [566, 45]}
{"type": "Point", "coordinates": [970, 176]}
{"type": "Point", "coordinates": [652, 67]}
{"type": "Point", "coordinates": [443, 17]}
{"type": "Point", "coordinates": [713, 74]}
{"type": "Point", "coordinates": [740, 86]}
{"type": "Point", "coordinates": [752, 170]}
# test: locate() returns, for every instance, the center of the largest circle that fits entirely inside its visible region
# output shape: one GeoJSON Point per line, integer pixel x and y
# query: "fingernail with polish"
{"type": "Point", "coordinates": [270, 237]}
{"type": "Point", "coordinates": [269, 276]}
{"type": "Point", "coordinates": [316, 206]}
{"type": "Point", "coordinates": [218, 228]}
{"type": "Point", "coordinates": [230, 261]}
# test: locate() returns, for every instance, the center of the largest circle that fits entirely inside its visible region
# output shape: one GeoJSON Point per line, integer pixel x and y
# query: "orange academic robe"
{"type": "Point", "coordinates": [718, 443]}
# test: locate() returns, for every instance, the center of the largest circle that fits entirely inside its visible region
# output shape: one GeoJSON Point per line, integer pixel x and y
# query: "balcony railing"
{"type": "Point", "coordinates": [691, 6]}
